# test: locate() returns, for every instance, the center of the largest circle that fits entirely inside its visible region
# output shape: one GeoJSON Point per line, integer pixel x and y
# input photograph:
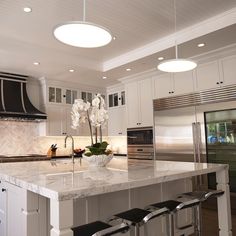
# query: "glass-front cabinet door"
{"type": "Point", "coordinates": [70, 96]}
{"type": "Point", "coordinates": [116, 99]}
{"type": "Point", "coordinates": [221, 142]}
{"type": "Point", "coordinates": [55, 95]}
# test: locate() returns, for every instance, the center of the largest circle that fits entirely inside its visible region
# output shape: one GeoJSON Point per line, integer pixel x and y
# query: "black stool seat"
{"type": "Point", "coordinates": [99, 227]}
{"type": "Point", "coordinates": [170, 204]}
{"type": "Point", "coordinates": [134, 215]}
{"type": "Point", "coordinates": [203, 195]}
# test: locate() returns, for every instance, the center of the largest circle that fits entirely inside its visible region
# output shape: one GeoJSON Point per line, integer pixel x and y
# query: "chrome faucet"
{"type": "Point", "coordinates": [72, 146]}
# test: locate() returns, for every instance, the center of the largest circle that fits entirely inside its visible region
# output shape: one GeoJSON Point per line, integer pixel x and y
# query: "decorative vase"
{"type": "Point", "coordinates": [98, 160]}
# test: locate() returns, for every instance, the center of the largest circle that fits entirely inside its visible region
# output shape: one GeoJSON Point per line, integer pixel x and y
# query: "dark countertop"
{"type": "Point", "coordinates": [35, 157]}
{"type": "Point", "coordinates": [27, 157]}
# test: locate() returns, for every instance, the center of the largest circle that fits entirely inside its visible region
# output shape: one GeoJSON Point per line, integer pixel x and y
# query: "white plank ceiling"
{"type": "Point", "coordinates": [25, 38]}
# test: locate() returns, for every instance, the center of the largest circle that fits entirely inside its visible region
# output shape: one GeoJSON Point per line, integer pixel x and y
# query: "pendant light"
{"type": "Point", "coordinates": [82, 33]}
{"type": "Point", "coordinates": [177, 64]}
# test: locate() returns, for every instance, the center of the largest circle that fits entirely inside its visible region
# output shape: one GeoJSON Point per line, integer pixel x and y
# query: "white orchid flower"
{"type": "Point", "coordinates": [95, 113]}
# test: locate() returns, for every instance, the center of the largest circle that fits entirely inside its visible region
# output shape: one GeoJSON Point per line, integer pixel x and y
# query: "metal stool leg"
{"type": "Point", "coordinates": [199, 221]}
{"type": "Point", "coordinates": [172, 225]}
{"type": "Point", "coordinates": [136, 230]}
{"type": "Point", "coordinates": [168, 230]}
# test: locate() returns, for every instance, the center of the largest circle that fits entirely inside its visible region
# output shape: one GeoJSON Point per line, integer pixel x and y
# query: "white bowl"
{"type": "Point", "coordinates": [98, 160]}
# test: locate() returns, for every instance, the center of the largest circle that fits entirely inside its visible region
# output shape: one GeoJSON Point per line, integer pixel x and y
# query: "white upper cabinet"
{"type": "Point", "coordinates": [229, 70]}
{"type": "Point", "coordinates": [132, 104]}
{"type": "Point", "coordinates": [139, 103]}
{"type": "Point", "coordinates": [208, 76]}
{"type": "Point", "coordinates": [146, 102]}
{"type": "Point", "coordinates": [183, 82]}
{"type": "Point", "coordinates": [58, 95]}
{"type": "Point", "coordinates": [117, 121]}
{"type": "Point", "coordinates": [169, 84]}
{"type": "Point", "coordinates": [59, 121]}
{"type": "Point", "coordinates": [163, 85]}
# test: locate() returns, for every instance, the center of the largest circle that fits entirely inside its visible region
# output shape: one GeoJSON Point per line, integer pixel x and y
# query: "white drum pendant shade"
{"type": "Point", "coordinates": [82, 34]}
{"type": "Point", "coordinates": [177, 65]}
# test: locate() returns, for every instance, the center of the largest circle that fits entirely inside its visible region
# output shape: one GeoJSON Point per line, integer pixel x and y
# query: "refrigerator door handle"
{"type": "Point", "coordinates": [194, 142]}
{"type": "Point", "coordinates": [198, 141]}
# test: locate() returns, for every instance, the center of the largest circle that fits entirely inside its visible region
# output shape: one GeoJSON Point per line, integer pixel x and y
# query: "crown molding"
{"type": "Point", "coordinates": [202, 58]}
{"type": "Point", "coordinates": [205, 27]}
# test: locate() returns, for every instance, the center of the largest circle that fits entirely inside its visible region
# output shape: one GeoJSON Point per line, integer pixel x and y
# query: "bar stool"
{"type": "Point", "coordinates": [174, 207]}
{"type": "Point", "coordinates": [201, 196]}
{"type": "Point", "coordinates": [137, 217]}
{"type": "Point", "coordinates": [99, 228]}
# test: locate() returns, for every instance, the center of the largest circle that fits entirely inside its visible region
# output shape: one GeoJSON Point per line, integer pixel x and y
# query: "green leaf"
{"type": "Point", "coordinates": [104, 145]}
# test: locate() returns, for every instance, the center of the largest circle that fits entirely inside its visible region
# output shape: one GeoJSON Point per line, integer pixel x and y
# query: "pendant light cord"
{"type": "Point", "coordinates": [176, 47]}
{"type": "Point", "coordinates": [84, 8]}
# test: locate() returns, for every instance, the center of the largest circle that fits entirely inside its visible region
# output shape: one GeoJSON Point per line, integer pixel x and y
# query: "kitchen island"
{"type": "Point", "coordinates": [68, 195]}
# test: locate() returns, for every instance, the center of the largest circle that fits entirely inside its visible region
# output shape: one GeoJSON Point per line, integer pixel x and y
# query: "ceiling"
{"type": "Point", "coordinates": [144, 30]}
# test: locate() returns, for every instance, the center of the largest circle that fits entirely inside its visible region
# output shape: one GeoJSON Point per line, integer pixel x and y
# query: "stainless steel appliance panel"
{"type": "Point", "coordinates": [174, 134]}
{"type": "Point", "coordinates": [141, 136]}
{"type": "Point", "coordinates": [140, 143]}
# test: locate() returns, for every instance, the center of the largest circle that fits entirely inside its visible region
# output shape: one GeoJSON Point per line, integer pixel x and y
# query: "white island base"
{"type": "Point", "coordinates": [50, 199]}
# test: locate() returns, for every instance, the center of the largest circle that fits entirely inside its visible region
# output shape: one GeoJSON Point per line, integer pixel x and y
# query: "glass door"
{"type": "Point", "coordinates": [220, 127]}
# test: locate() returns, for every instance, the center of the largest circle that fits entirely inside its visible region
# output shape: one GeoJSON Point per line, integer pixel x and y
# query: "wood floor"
{"type": "Point", "coordinates": [210, 223]}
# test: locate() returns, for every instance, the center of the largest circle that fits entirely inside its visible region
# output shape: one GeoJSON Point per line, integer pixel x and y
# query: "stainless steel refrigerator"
{"type": "Point", "coordinates": [198, 127]}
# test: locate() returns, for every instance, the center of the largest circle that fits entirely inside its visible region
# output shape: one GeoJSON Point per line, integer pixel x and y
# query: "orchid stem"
{"type": "Point", "coordinates": [96, 134]}
{"type": "Point", "coordinates": [90, 129]}
{"type": "Point", "coordinates": [100, 134]}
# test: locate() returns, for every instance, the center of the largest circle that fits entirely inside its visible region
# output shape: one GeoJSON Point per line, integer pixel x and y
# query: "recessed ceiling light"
{"type": "Point", "coordinates": [114, 37]}
{"type": "Point", "coordinates": [128, 69]}
{"type": "Point", "coordinates": [71, 70]}
{"type": "Point", "coordinates": [104, 77]}
{"type": "Point", "coordinates": [36, 63]}
{"type": "Point", "coordinates": [160, 58]}
{"type": "Point", "coordinates": [201, 45]}
{"type": "Point", "coordinates": [27, 9]}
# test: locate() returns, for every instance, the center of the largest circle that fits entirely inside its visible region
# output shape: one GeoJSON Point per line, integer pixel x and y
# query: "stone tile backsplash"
{"type": "Point", "coordinates": [17, 138]}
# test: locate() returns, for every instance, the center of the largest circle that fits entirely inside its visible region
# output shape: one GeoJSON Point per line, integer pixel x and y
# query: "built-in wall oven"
{"type": "Point", "coordinates": [140, 143]}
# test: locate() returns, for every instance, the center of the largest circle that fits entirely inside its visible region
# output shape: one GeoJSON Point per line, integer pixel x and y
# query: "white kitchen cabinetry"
{"type": "Point", "coordinates": [163, 85]}
{"type": "Point", "coordinates": [59, 121]}
{"type": "Point", "coordinates": [21, 212]}
{"type": "Point", "coordinates": [116, 121]}
{"type": "Point", "coordinates": [61, 95]}
{"type": "Point", "coordinates": [3, 213]}
{"type": "Point", "coordinates": [139, 103]}
{"type": "Point", "coordinates": [116, 99]}
{"type": "Point", "coordinates": [229, 70]}
{"type": "Point", "coordinates": [183, 82]}
{"type": "Point", "coordinates": [169, 84]}
{"type": "Point", "coordinates": [208, 76]}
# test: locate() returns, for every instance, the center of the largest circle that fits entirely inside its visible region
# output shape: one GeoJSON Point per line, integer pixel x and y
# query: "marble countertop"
{"type": "Point", "coordinates": [60, 179]}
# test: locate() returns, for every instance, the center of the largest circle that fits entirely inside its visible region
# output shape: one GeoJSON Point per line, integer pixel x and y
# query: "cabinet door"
{"type": "Point", "coordinates": [183, 83]}
{"type": "Point", "coordinates": [68, 119]}
{"type": "Point", "coordinates": [229, 70]}
{"type": "Point", "coordinates": [163, 85]}
{"type": "Point", "coordinates": [55, 95]}
{"type": "Point", "coordinates": [145, 99]}
{"type": "Point", "coordinates": [132, 105]}
{"type": "Point", "coordinates": [15, 217]}
{"type": "Point", "coordinates": [208, 76]}
{"type": "Point", "coordinates": [116, 121]}
{"type": "Point", "coordinates": [3, 212]}
{"type": "Point", "coordinates": [56, 123]}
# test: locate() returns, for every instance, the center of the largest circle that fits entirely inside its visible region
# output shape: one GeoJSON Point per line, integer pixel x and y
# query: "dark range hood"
{"type": "Point", "coordinates": [14, 101]}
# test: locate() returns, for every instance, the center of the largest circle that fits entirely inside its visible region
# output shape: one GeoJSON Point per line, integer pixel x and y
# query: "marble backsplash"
{"type": "Point", "coordinates": [17, 138]}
